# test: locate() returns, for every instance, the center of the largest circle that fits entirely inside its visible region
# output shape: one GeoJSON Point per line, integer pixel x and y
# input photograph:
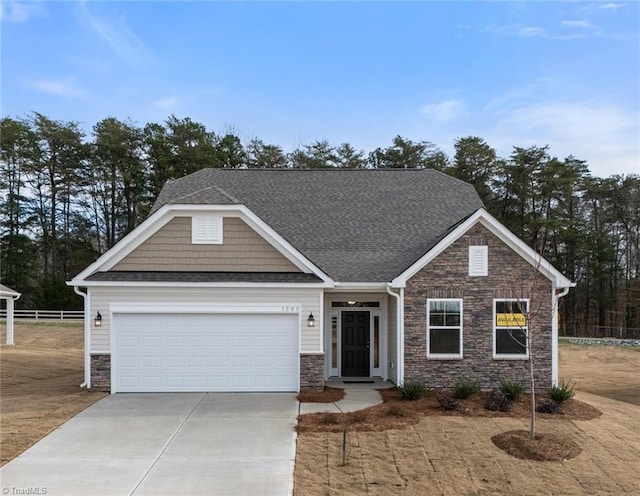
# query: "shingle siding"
{"type": "Point", "coordinates": [170, 249]}
{"type": "Point", "coordinates": [448, 276]}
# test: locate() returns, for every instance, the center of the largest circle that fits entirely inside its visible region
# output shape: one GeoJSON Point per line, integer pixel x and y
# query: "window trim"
{"type": "Point", "coordinates": [479, 251]}
{"type": "Point", "coordinates": [445, 356]}
{"type": "Point", "coordinates": [510, 356]}
{"type": "Point", "coordinates": [209, 218]}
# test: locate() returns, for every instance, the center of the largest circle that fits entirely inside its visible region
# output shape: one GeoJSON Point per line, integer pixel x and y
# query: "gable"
{"type": "Point", "coordinates": [171, 248]}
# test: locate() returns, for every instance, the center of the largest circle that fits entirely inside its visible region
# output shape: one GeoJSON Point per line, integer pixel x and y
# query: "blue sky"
{"type": "Point", "coordinates": [521, 73]}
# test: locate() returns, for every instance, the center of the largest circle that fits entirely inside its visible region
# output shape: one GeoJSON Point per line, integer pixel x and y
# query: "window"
{"type": "Point", "coordinates": [206, 229]}
{"type": "Point", "coordinates": [359, 304]}
{"type": "Point", "coordinates": [510, 328]}
{"type": "Point", "coordinates": [478, 261]}
{"type": "Point", "coordinates": [444, 328]}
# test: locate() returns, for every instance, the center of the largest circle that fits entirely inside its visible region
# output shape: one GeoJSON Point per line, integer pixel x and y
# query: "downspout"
{"type": "Point", "coordinates": [555, 333]}
{"type": "Point", "coordinates": [10, 318]}
{"type": "Point", "coordinates": [87, 337]}
{"type": "Point", "coordinates": [400, 333]}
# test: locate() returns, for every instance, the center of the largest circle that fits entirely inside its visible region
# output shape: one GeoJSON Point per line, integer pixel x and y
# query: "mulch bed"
{"type": "Point", "coordinates": [544, 447]}
{"type": "Point", "coordinates": [327, 395]}
{"type": "Point", "coordinates": [397, 412]}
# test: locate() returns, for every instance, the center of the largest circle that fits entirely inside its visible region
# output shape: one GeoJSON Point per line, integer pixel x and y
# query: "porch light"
{"type": "Point", "coordinates": [98, 320]}
{"type": "Point", "coordinates": [311, 320]}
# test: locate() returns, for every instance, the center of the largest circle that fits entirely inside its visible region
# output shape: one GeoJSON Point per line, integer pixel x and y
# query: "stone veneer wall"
{"type": "Point", "coordinates": [311, 372]}
{"type": "Point", "coordinates": [447, 276]}
{"type": "Point", "coordinates": [101, 372]}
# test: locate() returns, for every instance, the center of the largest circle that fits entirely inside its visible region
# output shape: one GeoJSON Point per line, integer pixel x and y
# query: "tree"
{"type": "Point", "coordinates": [407, 154]}
{"type": "Point", "coordinates": [475, 162]}
{"type": "Point", "coordinates": [230, 152]}
{"type": "Point", "coordinates": [263, 156]}
{"type": "Point", "coordinates": [347, 157]}
{"type": "Point", "coordinates": [318, 155]}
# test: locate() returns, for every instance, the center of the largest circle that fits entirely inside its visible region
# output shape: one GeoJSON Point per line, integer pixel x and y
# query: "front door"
{"type": "Point", "coordinates": [355, 344]}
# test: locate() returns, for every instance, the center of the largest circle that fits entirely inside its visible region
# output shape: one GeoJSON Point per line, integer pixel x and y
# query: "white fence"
{"type": "Point", "coordinates": [45, 314]}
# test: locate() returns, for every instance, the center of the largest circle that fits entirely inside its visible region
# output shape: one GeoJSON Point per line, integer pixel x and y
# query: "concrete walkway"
{"type": "Point", "coordinates": [165, 444]}
{"type": "Point", "coordinates": [357, 396]}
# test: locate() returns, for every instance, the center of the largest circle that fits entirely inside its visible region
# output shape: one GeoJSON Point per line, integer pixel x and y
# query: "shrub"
{"type": "Point", "coordinates": [498, 401]}
{"type": "Point", "coordinates": [448, 403]}
{"type": "Point", "coordinates": [561, 392]}
{"type": "Point", "coordinates": [549, 406]}
{"type": "Point", "coordinates": [412, 389]}
{"type": "Point", "coordinates": [512, 390]}
{"type": "Point", "coordinates": [464, 388]}
{"type": "Point", "coordinates": [330, 419]}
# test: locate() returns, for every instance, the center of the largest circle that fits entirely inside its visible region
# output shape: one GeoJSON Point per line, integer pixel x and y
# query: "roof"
{"type": "Point", "coordinates": [355, 225]}
{"type": "Point", "coordinates": [6, 291]}
{"type": "Point", "coordinates": [153, 276]}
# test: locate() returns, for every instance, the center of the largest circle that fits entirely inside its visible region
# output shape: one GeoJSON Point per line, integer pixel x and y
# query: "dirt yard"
{"type": "Point", "coordinates": [454, 455]}
{"type": "Point", "coordinates": [40, 381]}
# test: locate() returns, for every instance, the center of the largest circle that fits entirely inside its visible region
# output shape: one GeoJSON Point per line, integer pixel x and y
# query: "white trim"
{"type": "Point", "coordinates": [163, 215]}
{"type": "Point", "coordinates": [160, 284]}
{"type": "Point", "coordinates": [501, 232]}
{"type": "Point", "coordinates": [445, 356]}
{"type": "Point", "coordinates": [555, 300]}
{"type": "Point", "coordinates": [517, 356]}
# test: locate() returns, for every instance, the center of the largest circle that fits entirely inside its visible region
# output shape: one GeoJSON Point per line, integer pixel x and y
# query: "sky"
{"type": "Point", "coordinates": [564, 74]}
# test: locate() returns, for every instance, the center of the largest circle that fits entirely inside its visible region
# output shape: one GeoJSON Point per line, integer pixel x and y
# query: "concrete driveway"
{"type": "Point", "coordinates": [165, 444]}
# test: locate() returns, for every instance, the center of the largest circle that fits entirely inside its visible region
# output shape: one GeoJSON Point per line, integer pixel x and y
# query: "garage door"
{"type": "Point", "coordinates": [205, 352]}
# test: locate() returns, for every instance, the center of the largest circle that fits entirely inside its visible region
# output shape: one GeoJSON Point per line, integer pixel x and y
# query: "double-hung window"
{"type": "Point", "coordinates": [510, 328]}
{"type": "Point", "coordinates": [444, 328]}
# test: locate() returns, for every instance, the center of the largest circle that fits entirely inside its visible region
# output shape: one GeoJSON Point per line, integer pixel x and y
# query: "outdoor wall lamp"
{"type": "Point", "coordinates": [98, 320]}
{"type": "Point", "coordinates": [311, 320]}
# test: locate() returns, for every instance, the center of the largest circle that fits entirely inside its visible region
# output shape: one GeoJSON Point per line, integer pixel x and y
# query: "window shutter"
{"type": "Point", "coordinates": [478, 260]}
{"type": "Point", "coordinates": [206, 229]}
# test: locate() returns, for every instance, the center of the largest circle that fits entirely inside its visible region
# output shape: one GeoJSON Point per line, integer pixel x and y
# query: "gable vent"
{"type": "Point", "coordinates": [206, 229]}
{"type": "Point", "coordinates": [478, 260]}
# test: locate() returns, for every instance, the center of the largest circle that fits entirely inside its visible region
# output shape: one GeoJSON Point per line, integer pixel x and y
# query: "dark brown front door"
{"type": "Point", "coordinates": [355, 344]}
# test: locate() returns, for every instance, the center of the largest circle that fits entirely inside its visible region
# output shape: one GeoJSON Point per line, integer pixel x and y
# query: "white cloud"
{"type": "Point", "coordinates": [613, 6]}
{"type": "Point", "coordinates": [578, 24]}
{"type": "Point", "coordinates": [445, 111]}
{"type": "Point", "coordinates": [16, 12]}
{"type": "Point", "coordinates": [529, 32]}
{"type": "Point", "coordinates": [605, 135]}
{"type": "Point", "coordinates": [167, 103]}
{"type": "Point", "coordinates": [60, 88]}
{"type": "Point", "coordinates": [118, 36]}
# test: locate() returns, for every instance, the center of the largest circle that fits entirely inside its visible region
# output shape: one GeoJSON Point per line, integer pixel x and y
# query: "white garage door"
{"type": "Point", "coordinates": [205, 352]}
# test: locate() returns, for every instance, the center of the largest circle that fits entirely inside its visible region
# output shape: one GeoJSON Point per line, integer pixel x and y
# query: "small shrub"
{"type": "Point", "coordinates": [512, 390]}
{"type": "Point", "coordinates": [549, 406]}
{"type": "Point", "coordinates": [464, 388]}
{"type": "Point", "coordinates": [498, 401]}
{"type": "Point", "coordinates": [561, 392]}
{"type": "Point", "coordinates": [330, 419]}
{"type": "Point", "coordinates": [412, 389]}
{"type": "Point", "coordinates": [448, 403]}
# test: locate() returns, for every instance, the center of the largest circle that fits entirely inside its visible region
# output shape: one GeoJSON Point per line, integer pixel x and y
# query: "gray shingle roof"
{"type": "Point", "coordinates": [153, 276]}
{"type": "Point", "coordinates": [356, 225]}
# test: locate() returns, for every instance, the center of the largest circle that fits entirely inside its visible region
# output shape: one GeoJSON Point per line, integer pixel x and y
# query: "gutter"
{"type": "Point", "coordinates": [87, 337]}
{"type": "Point", "coordinates": [400, 332]}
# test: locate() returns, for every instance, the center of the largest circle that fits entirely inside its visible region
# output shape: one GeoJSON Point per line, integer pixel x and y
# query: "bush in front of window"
{"type": "Point", "coordinates": [561, 392]}
{"type": "Point", "coordinates": [463, 388]}
{"type": "Point", "coordinates": [498, 402]}
{"type": "Point", "coordinates": [549, 406]}
{"type": "Point", "coordinates": [412, 389]}
{"type": "Point", "coordinates": [448, 403]}
{"type": "Point", "coordinates": [512, 390]}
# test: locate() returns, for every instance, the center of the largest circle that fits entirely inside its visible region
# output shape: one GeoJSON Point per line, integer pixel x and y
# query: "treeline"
{"type": "Point", "coordinates": [68, 197]}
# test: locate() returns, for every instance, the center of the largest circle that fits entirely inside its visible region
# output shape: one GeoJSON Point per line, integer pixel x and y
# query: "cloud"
{"type": "Point", "coordinates": [118, 36]}
{"type": "Point", "coordinates": [16, 12]}
{"type": "Point", "coordinates": [445, 111]}
{"type": "Point", "coordinates": [60, 88]}
{"type": "Point", "coordinates": [605, 135]}
{"type": "Point", "coordinates": [528, 32]}
{"type": "Point", "coordinates": [578, 24]}
{"type": "Point", "coordinates": [613, 6]}
{"type": "Point", "coordinates": [167, 103]}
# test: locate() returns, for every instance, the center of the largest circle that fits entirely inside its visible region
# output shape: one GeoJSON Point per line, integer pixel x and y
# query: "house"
{"type": "Point", "coordinates": [276, 280]}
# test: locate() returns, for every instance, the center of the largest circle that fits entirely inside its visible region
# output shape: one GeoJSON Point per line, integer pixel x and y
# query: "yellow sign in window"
{"type": "Point", "coordinates": [511, 320]}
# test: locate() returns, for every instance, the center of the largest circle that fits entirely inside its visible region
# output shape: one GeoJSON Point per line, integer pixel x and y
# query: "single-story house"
{"type": "Point", "coordinates": [277, 280]}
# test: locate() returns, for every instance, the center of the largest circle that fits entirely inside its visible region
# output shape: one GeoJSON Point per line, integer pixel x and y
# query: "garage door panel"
{"type": "Point", "coordinates": [214, 352]}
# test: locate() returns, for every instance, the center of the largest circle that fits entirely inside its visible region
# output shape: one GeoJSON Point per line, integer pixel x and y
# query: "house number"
{"type": "Point", "coordinates": [291, 309]}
